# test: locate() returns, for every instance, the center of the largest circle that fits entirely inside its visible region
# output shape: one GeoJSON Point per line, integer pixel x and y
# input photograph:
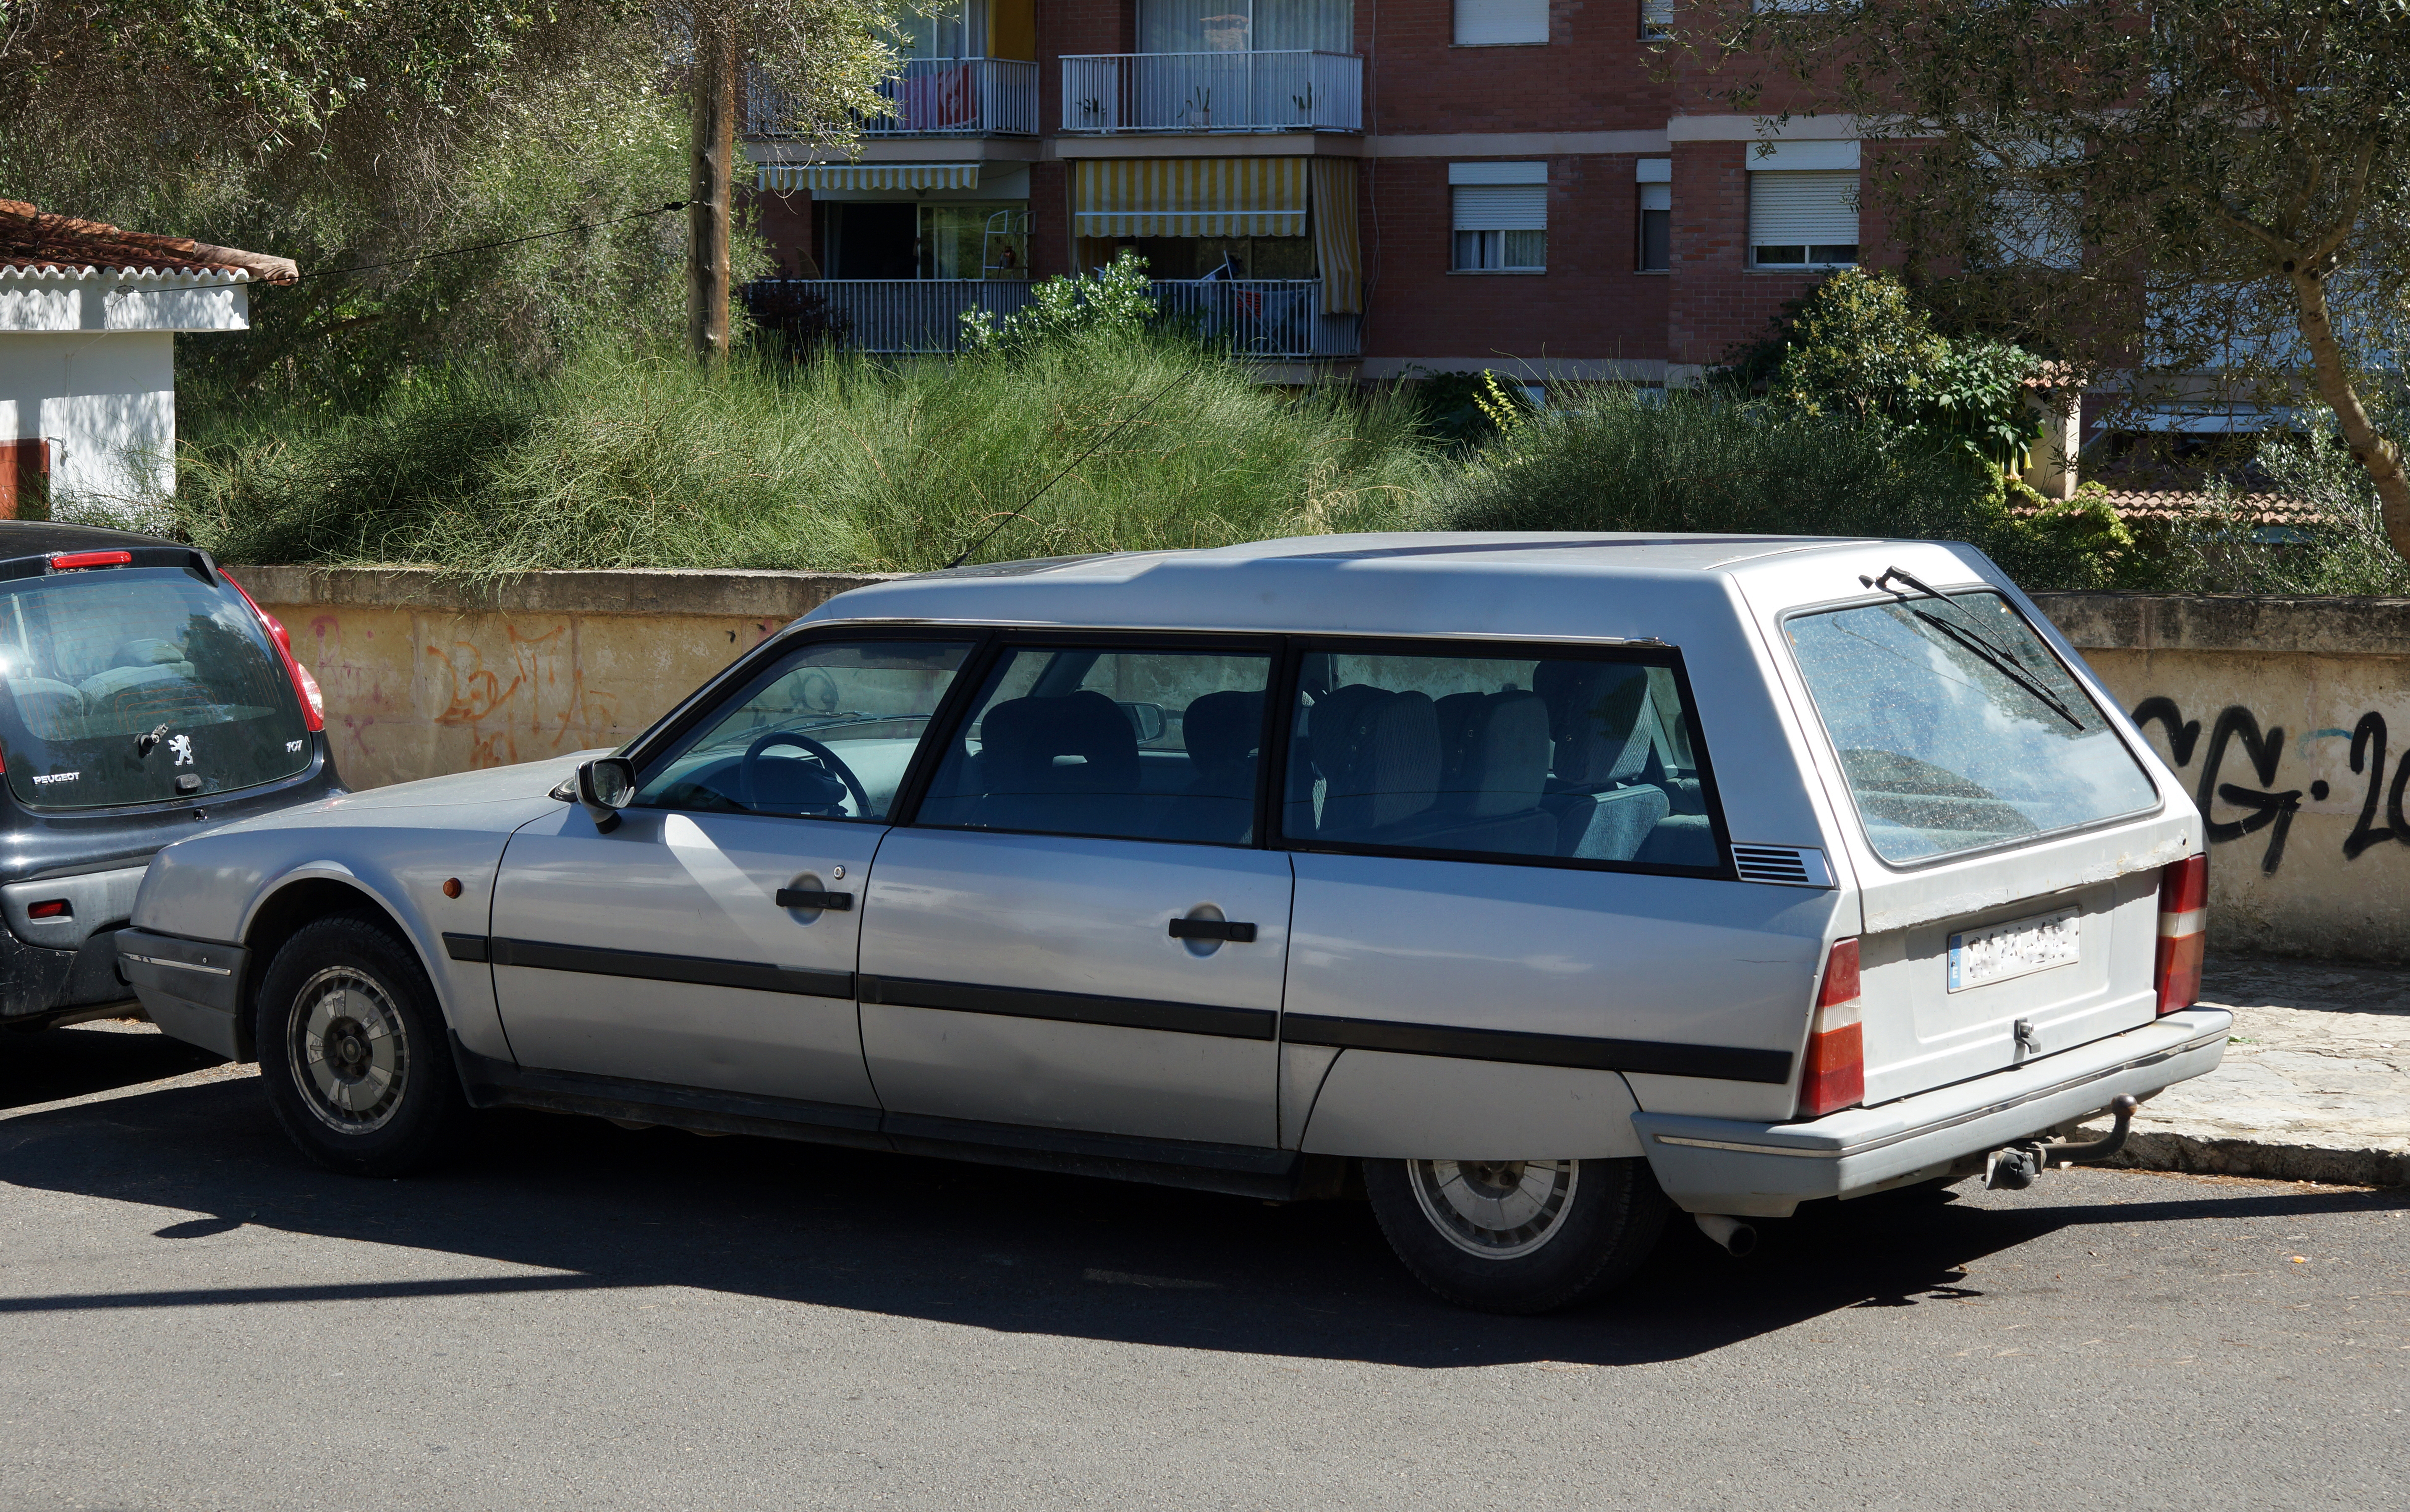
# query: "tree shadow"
{"type": "Point", "coordinates": [569, 1204]}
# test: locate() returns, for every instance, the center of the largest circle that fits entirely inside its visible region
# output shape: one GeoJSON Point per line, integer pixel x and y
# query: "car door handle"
{"type": "Point", "coordinates": [1229, 929]}
{"type": "Point", "coordinates": [804, 897]}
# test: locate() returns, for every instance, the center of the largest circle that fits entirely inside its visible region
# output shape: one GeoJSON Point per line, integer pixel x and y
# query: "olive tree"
{"type": "Point", "coordinates": [2147, 186]}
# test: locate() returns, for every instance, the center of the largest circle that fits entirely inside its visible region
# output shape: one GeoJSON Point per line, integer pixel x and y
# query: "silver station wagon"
{"type": "Point", "coordinates": [1547, 885]}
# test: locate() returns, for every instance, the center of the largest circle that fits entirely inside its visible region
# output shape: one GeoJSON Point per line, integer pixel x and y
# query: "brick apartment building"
{"type": "Point", "coordinates": [1385, 186]}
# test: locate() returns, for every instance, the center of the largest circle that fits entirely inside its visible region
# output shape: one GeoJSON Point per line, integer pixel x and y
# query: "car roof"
{"type": "Point", "coordinates": [1457, 584]}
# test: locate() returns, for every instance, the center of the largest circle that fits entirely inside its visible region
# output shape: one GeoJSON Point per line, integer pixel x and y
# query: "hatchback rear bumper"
{"type": "Point", "coordinates": [1753, 1170]}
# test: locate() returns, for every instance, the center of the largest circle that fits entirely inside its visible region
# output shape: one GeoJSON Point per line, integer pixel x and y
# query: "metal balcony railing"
{"type": "Point", "coordinates": [929, 97]}
{"type": "Point", "coordinates": [1272, 318]}
{"type": "Point", "coordinates": [1213, 92]}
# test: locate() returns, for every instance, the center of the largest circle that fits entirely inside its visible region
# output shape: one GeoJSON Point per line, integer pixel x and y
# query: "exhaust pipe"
{"type": "Point", "coordinates": [1736, 1237]}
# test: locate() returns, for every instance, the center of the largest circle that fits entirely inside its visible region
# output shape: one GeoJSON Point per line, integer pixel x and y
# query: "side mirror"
{"type": "Point", "coordinates": [605, 786]}
{"type": "Point", "coordinates": [1147, 719]}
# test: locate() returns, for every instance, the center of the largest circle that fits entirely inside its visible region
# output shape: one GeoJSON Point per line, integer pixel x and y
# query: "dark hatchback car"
{"type": "Point", "coordinates": [147, 699]}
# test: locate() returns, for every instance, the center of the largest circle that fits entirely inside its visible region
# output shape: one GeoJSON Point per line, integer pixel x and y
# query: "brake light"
{"type": "Point", "coordinates": [1836, 1073]}
{"type": "Point", "coordinates": [2184, 923]}
{"type": "Point", "coordinates": [313, 701]}
{"type": "Point", "coordinates": [70, 561]}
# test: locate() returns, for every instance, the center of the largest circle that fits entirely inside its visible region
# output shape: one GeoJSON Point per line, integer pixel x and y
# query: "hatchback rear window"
{"type": "Point", "coordinates": [1958, 729]}
{"type": "Point", "coordinates": [139, 685]}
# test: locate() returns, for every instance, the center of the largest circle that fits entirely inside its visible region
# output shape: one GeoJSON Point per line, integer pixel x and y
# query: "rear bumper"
{"type": "Point", "coordinates": [1724, 1165]}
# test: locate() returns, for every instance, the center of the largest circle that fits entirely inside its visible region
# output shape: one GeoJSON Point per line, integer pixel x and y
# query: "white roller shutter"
{"type": "Point", "coordinates": [1501, 207]}
{"type": "Point", "coordinates": [1656, 196]}
{"type": "Point", "coordinates": [1789, 210]}
{"type": "Point", "coordinates": [1490, 23]}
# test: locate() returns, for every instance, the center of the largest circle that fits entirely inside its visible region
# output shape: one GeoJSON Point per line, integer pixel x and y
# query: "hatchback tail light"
{"type": "Point", "coordinates": [1836, 1074]}
{"type": "Point", "coordinates": [2183, 919]}
{"type": "Point", "coordinates": [77, 561]}
{"type": "Point", "coordinates": [313, 703]}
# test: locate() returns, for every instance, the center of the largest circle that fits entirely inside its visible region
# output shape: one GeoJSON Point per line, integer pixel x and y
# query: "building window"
{"type": "Point", "coordinates": [1501, 22]}
{"type": "Point", "coordinates": [1500, 216]}
{"type": "Point", "coordinates": [1656, 20]}
{"type": "Point", "coordinates": [1656, 227]}
{"type": "Point", "coordinates": [1802, 220]}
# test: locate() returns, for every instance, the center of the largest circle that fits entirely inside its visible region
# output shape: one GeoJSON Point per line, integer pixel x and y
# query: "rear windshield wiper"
{"type": "Point", "coordinates": [1999, 658]}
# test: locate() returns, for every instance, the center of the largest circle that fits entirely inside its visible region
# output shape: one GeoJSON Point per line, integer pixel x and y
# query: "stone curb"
{"type": "Point", "coordinates": [2193, 1157]}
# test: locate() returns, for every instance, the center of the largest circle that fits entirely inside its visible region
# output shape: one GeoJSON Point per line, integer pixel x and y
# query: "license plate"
{"type": "Point", "coordinates": [1995, 952]}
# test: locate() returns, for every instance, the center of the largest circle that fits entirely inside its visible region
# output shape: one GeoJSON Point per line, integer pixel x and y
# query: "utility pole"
{"type": "Point", "coordinates": [714, 95]}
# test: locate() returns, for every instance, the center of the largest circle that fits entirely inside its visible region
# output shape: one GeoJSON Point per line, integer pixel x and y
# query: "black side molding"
{"type": "Point", "coordinates": [1722, 1063]}
{"type": "Point", "coordinates": [1074, 1008]}
{"type": "Point", "coordinates": [647, 966]}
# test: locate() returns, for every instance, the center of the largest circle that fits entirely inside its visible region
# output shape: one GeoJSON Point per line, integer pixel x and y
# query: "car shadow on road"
{"type": "Point", "coordinates": [552, 1203]}
{"type": "Point", "coordinates": [38, 1066]}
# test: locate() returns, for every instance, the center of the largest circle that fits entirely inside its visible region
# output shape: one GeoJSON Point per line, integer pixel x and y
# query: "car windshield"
{"type": "Point", "coordinates": [1957, 727]}
{"type": "Point", "coordinates": [139, 685]}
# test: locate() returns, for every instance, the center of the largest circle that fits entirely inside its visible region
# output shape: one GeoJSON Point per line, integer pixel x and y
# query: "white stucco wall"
{"type": "Point", "coordinates": [87, 363]}
{"type": "Point", "coordinates": [106, 400]}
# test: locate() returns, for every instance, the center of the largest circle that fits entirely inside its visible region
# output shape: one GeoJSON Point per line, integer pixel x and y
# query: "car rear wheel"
{"type": "Point", "coordinates": [1518, 1236]}
{"type": "Point", "coordinates": [352, 1051]}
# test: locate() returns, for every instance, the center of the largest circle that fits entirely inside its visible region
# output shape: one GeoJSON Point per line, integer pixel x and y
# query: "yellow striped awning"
{"type": "Point", "coordinates": [1189, 196]}
{"type": "Point", "coordinates": [785, 176]}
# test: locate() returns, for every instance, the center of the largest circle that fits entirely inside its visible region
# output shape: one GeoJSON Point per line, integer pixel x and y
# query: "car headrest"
{"type": "Point", "coordinates": [1379, 753]}
{"type": "Point", "coordinates": [1601, 718]}
{"type": "Point", "coordinates": [146, 652]}
{"type": "Point", "coordinates": [1223, 728]}
{"type": "Point", "coordinates": [1077, 742]}
{"type": "Point", "coordinates": [1502, 753]}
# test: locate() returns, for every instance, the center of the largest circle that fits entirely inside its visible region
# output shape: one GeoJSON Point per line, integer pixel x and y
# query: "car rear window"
{"type": "Point", "coordinates": [1958, 728]}
{"type": "Point", "coordinates": [123, 681]}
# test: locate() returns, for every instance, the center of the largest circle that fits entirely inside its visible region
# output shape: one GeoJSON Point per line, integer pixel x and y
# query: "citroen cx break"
{"type": "Point", "coordinates": [1547, 883]}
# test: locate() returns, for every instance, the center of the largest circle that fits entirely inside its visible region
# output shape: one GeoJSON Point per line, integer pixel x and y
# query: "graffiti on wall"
{"type": "Point", "coordinates": [2236, 734]}
{"type": "Point", "coordinates": [542, 693]}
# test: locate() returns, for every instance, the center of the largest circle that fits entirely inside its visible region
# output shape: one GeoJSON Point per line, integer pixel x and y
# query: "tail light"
{"type": "Point", "coordinates": [1836, 1074]}
{"type": "Point", "coordinates": [313, 703]}
{"type": "Point", "coordinates": [2183, 919]}
{"type": "Point", "coordinates": [77, 561]}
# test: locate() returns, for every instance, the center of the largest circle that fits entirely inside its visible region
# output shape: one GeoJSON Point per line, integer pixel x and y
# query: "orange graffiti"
{"type": "Point", "coordinates": [541, 692]}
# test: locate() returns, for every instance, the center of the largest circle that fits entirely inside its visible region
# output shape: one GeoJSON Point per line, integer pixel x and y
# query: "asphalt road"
{"type": "Point", "coordinates": [192, 1316]}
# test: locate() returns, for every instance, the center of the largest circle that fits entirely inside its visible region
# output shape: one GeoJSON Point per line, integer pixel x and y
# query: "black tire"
{"type": "Point", "coordinates": [1594, 1223]}
{"type": "Point", "coordinates": [377, 1094]}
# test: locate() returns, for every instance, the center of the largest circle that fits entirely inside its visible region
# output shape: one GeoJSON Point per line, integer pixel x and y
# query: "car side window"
{"type": "Point", "coordinates": [1141, 745]}
{"type": "Point", "coordinates": [1572, 758]}
{"type": "Point", "coordinates": [826, 731]}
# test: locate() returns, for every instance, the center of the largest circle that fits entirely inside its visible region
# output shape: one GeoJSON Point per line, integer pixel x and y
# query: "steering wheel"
{"type": "Point", "coordinates": [820, 752]}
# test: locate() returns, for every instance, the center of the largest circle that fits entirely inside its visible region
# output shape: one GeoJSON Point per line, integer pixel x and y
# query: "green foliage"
{"type": "Point", "coordinates": [1612, 458]}
{"type": "Point", "coordinates": [371, 134]}
{"type": "Point", "coordinates": [622, 460]}
{"type": "Point", "coordinates": [1859, 345]}
{"type": "Point", "coordinates": [1116, 302]}
{"type": "Point", "coordinates": [1464, 410]}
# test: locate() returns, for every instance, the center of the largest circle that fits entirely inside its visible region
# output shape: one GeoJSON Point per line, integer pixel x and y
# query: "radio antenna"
{"type": "Point", "coordinates": [1094, 448]}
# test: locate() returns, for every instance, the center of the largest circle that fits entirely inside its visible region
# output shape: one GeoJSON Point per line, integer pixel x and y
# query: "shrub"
{"type": "Point", "coordinates": [1612, 458]}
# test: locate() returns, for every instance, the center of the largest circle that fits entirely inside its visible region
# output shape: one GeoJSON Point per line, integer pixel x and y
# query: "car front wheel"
{"type": "Point", "coordinates": [352, 1051]}
{"type": "Point", "coordinates": [1518, 1236]}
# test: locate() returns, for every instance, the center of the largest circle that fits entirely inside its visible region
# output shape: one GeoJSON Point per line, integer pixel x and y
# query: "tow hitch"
{"type": "Point", "coordinates": [2014, 1166]}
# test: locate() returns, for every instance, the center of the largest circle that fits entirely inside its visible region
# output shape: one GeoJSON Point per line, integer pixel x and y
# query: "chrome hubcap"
{"type": "Point", "coordinates": [1496, 1209]}
{"type": "Point", "coordinates": [350, 1057]}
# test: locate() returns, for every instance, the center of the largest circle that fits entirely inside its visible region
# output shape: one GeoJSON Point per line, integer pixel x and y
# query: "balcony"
{"type": "Point", "coordinates": [1204, 92]}
{"type": "Point", "coordinates": [928, 97]}
{"type": "Point", "coordinates": [1267, 318]}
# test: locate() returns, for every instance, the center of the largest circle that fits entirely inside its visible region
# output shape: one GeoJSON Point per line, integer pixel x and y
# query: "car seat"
{"type": "Point", "coordinates": [1064, 765]}
{"type": "Point", "coordinates": [1222, 732]}
{"type": "Point", "coordinates": [1604, 726]}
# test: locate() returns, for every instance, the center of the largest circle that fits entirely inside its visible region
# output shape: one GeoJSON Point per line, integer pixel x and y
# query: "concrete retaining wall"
{"type": "Point", "coordinates": [425, 675]}
{"type": "Point", "coordinates": [2289, 717]}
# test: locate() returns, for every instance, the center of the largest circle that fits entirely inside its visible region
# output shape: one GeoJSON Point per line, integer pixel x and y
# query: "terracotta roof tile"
{"type": "Point", "coordinates": [33, 242]}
